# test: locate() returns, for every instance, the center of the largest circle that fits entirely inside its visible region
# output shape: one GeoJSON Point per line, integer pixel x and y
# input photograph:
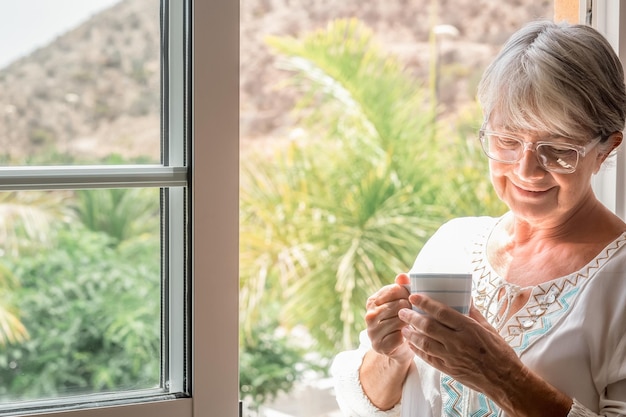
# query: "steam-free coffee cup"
{"type": "Point", "coordinates": [452, 289]}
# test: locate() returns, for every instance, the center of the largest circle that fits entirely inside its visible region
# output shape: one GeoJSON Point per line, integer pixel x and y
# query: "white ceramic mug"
{"type": "Point", "coordinates": [452, 289]}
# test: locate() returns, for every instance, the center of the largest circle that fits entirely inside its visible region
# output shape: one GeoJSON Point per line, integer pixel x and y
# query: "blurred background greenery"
{"type": "Point", "coordinates": [335, 213]}
{"type": "Point", "coordinates": [82, 311]}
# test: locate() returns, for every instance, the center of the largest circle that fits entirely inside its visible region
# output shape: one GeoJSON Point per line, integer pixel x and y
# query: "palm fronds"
{"type": "Point", "coordinates": [335, 214]}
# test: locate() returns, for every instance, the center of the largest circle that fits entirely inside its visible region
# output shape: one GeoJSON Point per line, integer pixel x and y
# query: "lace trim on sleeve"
{"type": "Point", "coordinates": [579, 410]}
{"type": "Point", "coordinates": [348, 390]}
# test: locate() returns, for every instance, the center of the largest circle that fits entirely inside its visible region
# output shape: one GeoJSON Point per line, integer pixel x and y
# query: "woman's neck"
{"type": "Point", "coordinates": [527, 253]}
{"type": "Point", "coordinates": [589, 223]}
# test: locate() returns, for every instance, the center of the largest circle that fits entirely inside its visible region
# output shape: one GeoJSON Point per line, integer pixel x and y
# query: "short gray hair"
{"type": "Point", "coordinates": [559, 78]}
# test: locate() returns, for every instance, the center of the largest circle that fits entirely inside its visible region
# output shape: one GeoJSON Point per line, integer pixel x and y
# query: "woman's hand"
{"type": "Point", "coordinates": [386, 365]}
{"type": "Point", "coordinates": [384, 327]}
{"type": "Point", "coordinates": [466, 348]}
{"type": "Point", "coordinates": [471, 351]}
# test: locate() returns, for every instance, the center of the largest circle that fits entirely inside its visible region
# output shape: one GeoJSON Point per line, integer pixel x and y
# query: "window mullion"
{"type": "Point", "coordinates": [76, 177]}
{"type": "Point", "coordinates": [175, 58]}
{"type": "Point", "coordinates": [165, 408]}
{"type": "Point", "coordinates": [174, 144]}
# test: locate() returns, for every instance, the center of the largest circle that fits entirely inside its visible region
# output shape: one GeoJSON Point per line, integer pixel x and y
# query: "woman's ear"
{"type": "Point", "coordinates": [614, 140]}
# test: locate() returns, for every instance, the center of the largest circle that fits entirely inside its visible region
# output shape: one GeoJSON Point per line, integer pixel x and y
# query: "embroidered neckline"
{"type": "Point", "coordinates": [546, 303]}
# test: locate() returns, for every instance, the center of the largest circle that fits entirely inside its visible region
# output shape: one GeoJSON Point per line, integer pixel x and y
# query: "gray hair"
{"type": "Point", "coordinates": [559, 78]}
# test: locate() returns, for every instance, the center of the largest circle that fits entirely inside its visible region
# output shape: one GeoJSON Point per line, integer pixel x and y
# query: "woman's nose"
{"type": "Point", "coordinates": [528, 166]}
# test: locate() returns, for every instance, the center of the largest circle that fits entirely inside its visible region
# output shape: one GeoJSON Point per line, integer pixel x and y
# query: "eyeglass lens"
{"type": "Point", "coordinates": [552, 157]}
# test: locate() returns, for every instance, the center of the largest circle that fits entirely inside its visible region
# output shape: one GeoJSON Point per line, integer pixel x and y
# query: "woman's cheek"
{"type": "Point", "coordinates": [498, 180]}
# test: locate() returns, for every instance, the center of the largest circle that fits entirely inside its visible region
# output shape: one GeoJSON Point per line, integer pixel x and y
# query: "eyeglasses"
{"type": "Point", "coordinates": [560, 158]}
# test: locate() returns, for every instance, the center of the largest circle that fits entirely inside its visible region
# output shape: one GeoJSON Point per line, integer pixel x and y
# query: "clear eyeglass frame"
{"type": "Point", "coordinates": [557, 157]}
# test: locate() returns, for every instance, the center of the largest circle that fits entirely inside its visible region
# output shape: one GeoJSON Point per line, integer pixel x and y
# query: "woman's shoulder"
{"type": "Point", "coordinates": [467, 226]}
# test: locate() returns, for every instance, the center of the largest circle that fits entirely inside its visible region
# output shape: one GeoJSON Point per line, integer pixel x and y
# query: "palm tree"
{"type": "Point", "coordinates": [27, 221]}
{"type": "Point", "coordinates": [334, 215]}
{"type": "Point", "coordinates": [125, 215]}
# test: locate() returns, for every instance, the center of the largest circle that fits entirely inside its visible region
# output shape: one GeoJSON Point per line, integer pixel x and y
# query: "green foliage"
{"type": "Point", "coordinates": [273, 362]}
{"type": "Point", "coordinates": [339, 213]}
{"type": "Point", "coordinates": [27, 219]}
{"type": "Point", "coordinates": [26, 225]}
{"type": "Point", "coordinates": [88, 300]}
{"type": "Point", "coordinates": [465, 186]}
{"type": "Point", "coordinates": [335, 214]}
{"type": "Point", "coordinates": [123, 214]}
{"type": "Point", "coordinates": [12, 330]}
{"type": "Point", "coordinates": [93, 315]}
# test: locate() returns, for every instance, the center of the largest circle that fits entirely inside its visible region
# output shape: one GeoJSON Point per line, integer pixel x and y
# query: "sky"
{"type": "Point", "coordinates": [26, 25]}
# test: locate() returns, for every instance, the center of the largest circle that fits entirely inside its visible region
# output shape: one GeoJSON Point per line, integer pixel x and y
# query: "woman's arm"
{"type": "Point", "coordinates": [382, 377]}
{"type": "Point", "coordinates": [386, 365]}
{"type": "Point", "coordinates": [351, 398]}
{"type": "Point", "coordinates": [371, 377]}
{"type": "Point", "coordinates": [525, 394]}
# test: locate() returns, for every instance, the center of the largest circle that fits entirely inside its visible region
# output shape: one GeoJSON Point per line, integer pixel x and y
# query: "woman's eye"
{"type": "Point", "coordinates": [559, 150]}
{"type": "Point", "coordinates": [504, 142]}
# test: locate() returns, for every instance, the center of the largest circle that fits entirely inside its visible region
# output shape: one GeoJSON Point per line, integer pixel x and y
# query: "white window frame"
{"type": "Point", "coordinates": [212, 180]}
{"type": "Point", "coordinates": [609, 16]}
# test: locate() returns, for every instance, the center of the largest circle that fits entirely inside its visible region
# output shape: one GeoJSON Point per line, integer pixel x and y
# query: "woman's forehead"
{"type": "Point", "coordinates": [523, 124]}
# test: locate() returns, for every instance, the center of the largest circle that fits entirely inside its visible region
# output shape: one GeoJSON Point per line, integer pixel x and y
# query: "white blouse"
{"type": "Point", "coordinates": [571, 332]}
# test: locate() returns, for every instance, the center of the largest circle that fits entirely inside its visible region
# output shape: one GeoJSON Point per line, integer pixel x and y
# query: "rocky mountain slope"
{"type": "Point", "coordinates": [95, 90]}
{"type": "Point", "coordinates": [92, 91]}
{"type": "Point", "coordinates": [402, 26]}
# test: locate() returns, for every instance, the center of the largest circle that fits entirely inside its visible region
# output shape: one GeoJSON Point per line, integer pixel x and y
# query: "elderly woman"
{"type": "Point", "coordinates": [546, 334]}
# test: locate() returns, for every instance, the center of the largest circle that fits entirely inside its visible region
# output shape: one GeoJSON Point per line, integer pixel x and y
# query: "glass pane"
{"type": "Point", "coordinates": [79, 82]}
{"type": "Point", "coordinates": [80, 292]}
{"type": "Point", "coordinates": [358, 138]}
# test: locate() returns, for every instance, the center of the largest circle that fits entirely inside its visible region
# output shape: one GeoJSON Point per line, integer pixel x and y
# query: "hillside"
{"type": "Point", "coordinates": [95, 90]}
{"type": "Point", "coordinates": [402, 26]}
{"type": "Point", "coordinates": [92, 91]}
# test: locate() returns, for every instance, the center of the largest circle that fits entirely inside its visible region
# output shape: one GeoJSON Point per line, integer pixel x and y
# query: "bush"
{"type": "Point", "coordinates": [93, 316]}
{"type": "Point", "coordinates": [336, 213]}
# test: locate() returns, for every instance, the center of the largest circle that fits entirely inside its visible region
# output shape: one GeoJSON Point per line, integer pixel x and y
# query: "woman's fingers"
{"type": "Point", "coordinates": [403, 279]}
{"type": "Point", "coordinates": [435, 329]}
{"type": "Point", "coordinates": [438, 311]}
{"type": "Point", "coordinates": [387, 294]}
{"type": "Point", "coordinates": [466, 348]}
{"type": "Point", "coordinates": [385, 304]}
{"type": "Point", "coordinates": [424, 332]}
{"type": "Point", "coordinates": [383, 325]}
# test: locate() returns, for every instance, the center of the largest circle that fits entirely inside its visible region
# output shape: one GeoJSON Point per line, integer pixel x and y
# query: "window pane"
{"type": "Point", "coordinates": [80, 292]}
{"type": "Point", "coordinates": [79, 82]}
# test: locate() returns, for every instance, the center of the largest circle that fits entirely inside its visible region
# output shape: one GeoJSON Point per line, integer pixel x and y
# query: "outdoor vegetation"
{"type": "Point", "coordinates": [80, 295]}
{"type": "Point", "coordinates": [334, 213]}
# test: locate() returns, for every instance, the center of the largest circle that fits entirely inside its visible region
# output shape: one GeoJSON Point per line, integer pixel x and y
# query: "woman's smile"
{"type": "Point", "coordinates": [530, 192]}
